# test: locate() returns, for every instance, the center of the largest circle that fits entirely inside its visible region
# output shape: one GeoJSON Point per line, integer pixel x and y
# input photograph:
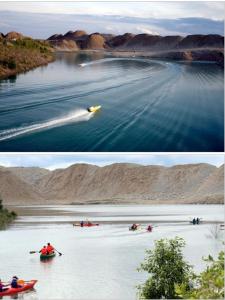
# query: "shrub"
{"type": "Point", "coordinates": [167, 268]}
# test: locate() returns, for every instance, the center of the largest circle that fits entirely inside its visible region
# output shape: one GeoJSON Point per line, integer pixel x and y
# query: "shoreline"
{"type": "Point", "coordinates": [172, 55]}
{"type": "Point", "coordinates": [182, 55]}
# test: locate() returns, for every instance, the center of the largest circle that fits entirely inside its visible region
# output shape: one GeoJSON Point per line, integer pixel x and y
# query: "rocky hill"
{"type": "Point", "coordinates": [116, 183]}
{"type": "Point", "coordinates": [191, 47]}
{"type": "Point", "coordinates": [19, 54]}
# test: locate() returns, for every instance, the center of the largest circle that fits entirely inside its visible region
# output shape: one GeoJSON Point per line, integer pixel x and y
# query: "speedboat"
{"type": "Point", "coordinates": [94, 108]}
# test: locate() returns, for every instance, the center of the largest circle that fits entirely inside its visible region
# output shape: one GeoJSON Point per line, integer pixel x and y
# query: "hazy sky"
{"type": "Point", "coordinates": [171, 10]}
{"type": "Point", "coordinates": [42, 19]}
{"type": "Point", "coordinates": [64, 160]}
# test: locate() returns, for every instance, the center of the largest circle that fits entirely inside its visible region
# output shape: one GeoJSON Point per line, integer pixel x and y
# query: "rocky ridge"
{"type": "Point", "coordinates": [116, 183]}
{"type": "Point", "coordinates": [192, 47]}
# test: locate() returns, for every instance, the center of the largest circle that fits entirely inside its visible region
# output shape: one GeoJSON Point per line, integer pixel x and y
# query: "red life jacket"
{"type": "Point", "coordinates": [50, 248]}
{"type": "Point", "coordinates": [44, 251]}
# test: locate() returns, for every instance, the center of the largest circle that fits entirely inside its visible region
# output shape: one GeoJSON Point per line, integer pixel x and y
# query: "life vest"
{"type": "Point", "coordinates": [44, 251]}
{"type": "Point", "coordinates": [50, 248]}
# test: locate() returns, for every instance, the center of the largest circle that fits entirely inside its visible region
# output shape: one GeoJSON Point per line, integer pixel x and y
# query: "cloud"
{"type": "Point", "coordinates": [55, 161]}
{"type": "Point", "coordinates": [43, 25]}
{"type": "Point", "coordinates": [146, 30]}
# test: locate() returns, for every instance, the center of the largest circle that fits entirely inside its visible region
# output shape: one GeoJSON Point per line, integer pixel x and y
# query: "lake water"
{"type": "Point", "coordinates": [100, 262]}
{"type": "Point", "coordinates": [147, 105]}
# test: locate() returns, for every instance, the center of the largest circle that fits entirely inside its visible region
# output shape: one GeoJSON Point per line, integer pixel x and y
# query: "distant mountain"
{"type": "Point", "coordinates": [192, 47]}
{"type": "Point", "coordinates": [116, 183]}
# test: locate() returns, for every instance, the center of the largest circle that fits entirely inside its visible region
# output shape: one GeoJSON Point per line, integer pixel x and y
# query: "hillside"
{"type": "Point", "coordinates": [116, 183]}
{"type": "Point", "coordinates": [192, 47]}
{"type": "Point", "coordinates": [19, 54]}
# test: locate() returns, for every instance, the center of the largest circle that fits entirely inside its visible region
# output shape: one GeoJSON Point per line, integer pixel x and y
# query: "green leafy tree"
{"type": "Point", "coordinates": [167, 268]}
{"type": "Point", "coordinates": [209, 284]}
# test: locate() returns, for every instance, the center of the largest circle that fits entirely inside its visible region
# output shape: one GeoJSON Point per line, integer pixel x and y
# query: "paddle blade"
{"type": "Point", "coordinates": [32, 252]}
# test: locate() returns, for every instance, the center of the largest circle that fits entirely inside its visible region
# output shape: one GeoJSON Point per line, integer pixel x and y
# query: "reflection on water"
{"type": "Point", "coordinates": [100, 262]}
{"type": "Point", "coordinates": [147, 105]}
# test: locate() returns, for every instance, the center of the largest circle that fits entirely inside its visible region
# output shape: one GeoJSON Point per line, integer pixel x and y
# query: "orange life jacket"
{"type": "Point", "coordinates": [50, 248]}
{"type": "Point", "coordinates": [44, 251]}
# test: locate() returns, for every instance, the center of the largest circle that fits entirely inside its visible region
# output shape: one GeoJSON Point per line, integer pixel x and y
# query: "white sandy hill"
{"type": "Point", "coordinates": [117, 183]}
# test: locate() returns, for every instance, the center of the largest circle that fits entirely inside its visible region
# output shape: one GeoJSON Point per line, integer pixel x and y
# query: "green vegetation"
{"type": "Point", "coordinates": [172, 278]}
{"type": "Point", "coordinates": [6, 217]}
{"type": "Point", "coordinates": [209, 284]}
{"type": "Point", "coordinates": [23, 54]}
{"type": "Point", "coordinates": [167, 267]}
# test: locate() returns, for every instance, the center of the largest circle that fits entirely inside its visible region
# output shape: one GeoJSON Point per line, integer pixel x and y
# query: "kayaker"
{"type": "Point", "coordinates": [197, 221]}
{"type": "Point", "coordinates": [2, 287]}
{"type": "Point", "coordinates": [149, 228]}
{"type": "Point", "coordinates": [44, 250]}
{"type": "Point", "coordinates": [50, 248]}
{"type": "Point", "coordinates": [134, 227]}
{"type": "Point", "coordinates": [14, 283]}
{"type": "Point", "coordinates": [82, 223]}
{"type": "Point", "coordinates": [194, 221]}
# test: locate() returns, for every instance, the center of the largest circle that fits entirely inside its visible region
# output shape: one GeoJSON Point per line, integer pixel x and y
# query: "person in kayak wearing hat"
{"type": "Point", "coordinates": [14, 283]}
{"type": "Point", "coordinates": [44, 250]}
{"type": "Point", "coordinates": [50, 248]}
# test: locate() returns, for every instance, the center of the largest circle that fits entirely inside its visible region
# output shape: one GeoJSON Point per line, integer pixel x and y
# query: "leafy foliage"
{"type": "Point", "coordinates": [209, 284]}
{"type": "Point", "coordinates": [24, 54]}
{"type": "Point", "coordinates": [167, 268]}
{"type": "Point", "coordinates": [6, 217]}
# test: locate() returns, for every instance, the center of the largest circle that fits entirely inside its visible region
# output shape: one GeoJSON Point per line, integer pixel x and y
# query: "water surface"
{"type": "Point", "coordinates": [100, 262]}
{"type": "Point", "coordinates": [147, 105]}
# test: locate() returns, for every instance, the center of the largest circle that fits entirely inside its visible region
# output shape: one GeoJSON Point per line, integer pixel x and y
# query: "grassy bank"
{"type": "Point", "coordinates": [18, 56]}
{"type": "Point", "coordinates": [6, 217]}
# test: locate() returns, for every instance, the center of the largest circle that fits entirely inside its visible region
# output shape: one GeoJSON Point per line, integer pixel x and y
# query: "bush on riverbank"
{"type": "Point", "coordinates": [22, 55]}
{"type": "Point", "coordinates": [6, 217]}
{"type": "Point", "coordinates": [167, 267]}
{"type": "Point", "coordinates": [172, 278]}
{"type": "Point", "coordinates": [209, 284]}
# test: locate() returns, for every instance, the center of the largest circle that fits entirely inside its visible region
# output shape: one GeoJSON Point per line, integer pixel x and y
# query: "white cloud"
{"type": "Point", "coordinates": [157, 9]}
{"type": "Point", "coordinates": [56, 161]}
{"type": "Point", "coordinates": [142, 29]}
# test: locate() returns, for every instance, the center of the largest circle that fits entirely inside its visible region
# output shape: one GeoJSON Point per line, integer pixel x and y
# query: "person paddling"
{"type": "Point", "coordinates": [14, 283]}
{"type": "Point", "coordinates": [149, 228]}
{"type": "Point", "coordinates": [134, 227]}
{"type": "Point", "coordinates": [2, 287]}
{"type": "Point", "coordinates": [44, 250]}
{"type": "Point", "coordinates": [50, 248]}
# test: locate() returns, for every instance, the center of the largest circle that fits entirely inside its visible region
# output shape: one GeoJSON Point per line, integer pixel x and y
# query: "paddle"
{"type": "Point", "coordinates": [58, 252]}
{"type": "Point", "coordinates": [32, 252]}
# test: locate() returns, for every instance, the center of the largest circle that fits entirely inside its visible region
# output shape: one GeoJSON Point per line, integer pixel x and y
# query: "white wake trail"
{"type": "Point", "coordinates": [78, 115]}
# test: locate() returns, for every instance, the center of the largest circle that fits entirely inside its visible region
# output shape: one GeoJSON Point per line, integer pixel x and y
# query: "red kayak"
{"type": "Point", "coordinates": [27, 286]}
{"type": "Point", "coordinates": [86, 224]}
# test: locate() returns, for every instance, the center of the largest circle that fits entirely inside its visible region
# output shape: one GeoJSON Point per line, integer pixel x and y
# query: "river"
{"type": "Point", "coordinates": [147, 105]}
{"type": "Point", "coordinates": [100, 262]}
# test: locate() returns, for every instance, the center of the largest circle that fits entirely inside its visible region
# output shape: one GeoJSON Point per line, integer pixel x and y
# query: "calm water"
{"type": "Point", "coordinates": [99, 262]}
{"type": "Point", "coordinates": [146, 106]}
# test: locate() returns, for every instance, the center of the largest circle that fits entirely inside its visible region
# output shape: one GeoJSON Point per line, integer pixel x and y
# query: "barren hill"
{"type": "Point", "coordinates": [116, 183]}
{"type": "Point", "coordinates": [191, 47]}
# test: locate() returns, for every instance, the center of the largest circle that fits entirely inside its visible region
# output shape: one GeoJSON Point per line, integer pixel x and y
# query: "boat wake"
{"type": "Point", "coordinates": [79, 115]}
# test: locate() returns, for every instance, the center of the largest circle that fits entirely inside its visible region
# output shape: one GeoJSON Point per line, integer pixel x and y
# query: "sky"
{"type": "Point", "coordinates": [42, 19]}
{"type": "Point", "coordinates": [55, 161]}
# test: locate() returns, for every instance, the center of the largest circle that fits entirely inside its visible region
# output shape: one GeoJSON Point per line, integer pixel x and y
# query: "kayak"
{"type": "Point", "coordinates": [27, 286]}
{"type": "Point", "coordinates": [94, 108]}
{"type": "Point", "coordinates": [46, 256]}
{"type": "Point", "coordinates": [134, 229]}
{"type": "Point", "coordinates": [86, 224]}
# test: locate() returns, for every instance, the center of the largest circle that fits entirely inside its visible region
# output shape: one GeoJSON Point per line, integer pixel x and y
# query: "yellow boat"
{"type": "Point", "coordinates": [94, 108]}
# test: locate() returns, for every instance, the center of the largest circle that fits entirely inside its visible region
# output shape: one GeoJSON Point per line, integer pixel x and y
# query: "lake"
{"type": "Point", "coordinates": [100, 262]}
{"type": "Point", "coordinates": [147, 105]}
